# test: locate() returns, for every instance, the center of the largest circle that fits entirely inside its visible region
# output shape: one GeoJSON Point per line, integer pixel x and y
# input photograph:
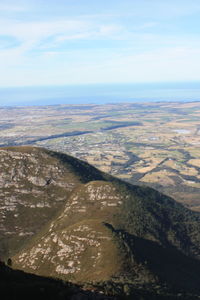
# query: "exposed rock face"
{"type": "Point", "coordinates": [34, 184]}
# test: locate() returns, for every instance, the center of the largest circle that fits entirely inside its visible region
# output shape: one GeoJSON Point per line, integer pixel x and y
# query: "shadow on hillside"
{"type": "Point", "coordinates": [168, 264]}
{"type": "Point", "coordinates": [81, 168]}
{"type": "Point", "coordinates": [18, 285]}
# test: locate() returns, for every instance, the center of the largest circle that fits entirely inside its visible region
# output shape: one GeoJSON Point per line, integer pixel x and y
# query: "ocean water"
{"type": "Point", "coordinates": [100, 94]}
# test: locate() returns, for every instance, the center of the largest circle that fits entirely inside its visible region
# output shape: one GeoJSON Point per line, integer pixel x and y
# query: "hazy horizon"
{"type": "Point", "coordinates": [100, 93]}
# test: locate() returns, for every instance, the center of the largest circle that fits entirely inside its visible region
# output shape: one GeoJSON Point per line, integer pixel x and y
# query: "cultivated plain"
{"type": "Point", "coordinates": [153, 144]}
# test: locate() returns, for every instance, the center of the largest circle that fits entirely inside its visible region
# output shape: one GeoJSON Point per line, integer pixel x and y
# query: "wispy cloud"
{"type": "Point", "coordinates": [109, 41]}
{"type": "Point", "coordinates": [37, 30]}
{"type": "Point", "coordinates": [44, 35]}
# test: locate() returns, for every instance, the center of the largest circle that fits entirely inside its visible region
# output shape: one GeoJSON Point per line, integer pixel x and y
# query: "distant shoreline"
{"type": "Point", "coordinates": [100, 94]}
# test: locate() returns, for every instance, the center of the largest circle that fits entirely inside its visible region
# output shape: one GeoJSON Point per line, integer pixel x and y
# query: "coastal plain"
{"type": "Point", "coordinates": [153, 144]}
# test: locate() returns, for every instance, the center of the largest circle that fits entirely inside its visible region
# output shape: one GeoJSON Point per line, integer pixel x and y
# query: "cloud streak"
{"type": "Point", "coordinates": [134, 42]}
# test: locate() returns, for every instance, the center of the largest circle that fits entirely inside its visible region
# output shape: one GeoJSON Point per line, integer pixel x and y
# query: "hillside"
{"type": "Point", "coordinates": [20, 285]}
{"type": "Point", "coordinates": [112, 230]}
{"type": "Point", "coordinates": [103, 232]}
{"type": "Point", "coordinates": [15, 284]}
{"type": "Point", "coordinates": [34, 185]}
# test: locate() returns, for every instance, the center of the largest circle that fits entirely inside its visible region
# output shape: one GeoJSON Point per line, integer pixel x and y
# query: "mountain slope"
{"type": "Point", "coordinates": [114, 231]}
{"type": "Point", "coordinates": [34, 184]}
{"type": "Point", "coordinates": [65, 219]}
{"type": "Point", "coordinates": [16, 284]}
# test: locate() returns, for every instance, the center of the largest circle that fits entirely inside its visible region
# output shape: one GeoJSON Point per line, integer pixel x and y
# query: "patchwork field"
{"type": "Point", "coordinates": [154, 144]}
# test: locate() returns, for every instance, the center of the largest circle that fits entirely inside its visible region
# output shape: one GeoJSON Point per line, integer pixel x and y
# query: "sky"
{"type": "Point", "coordinates": [66, 42]}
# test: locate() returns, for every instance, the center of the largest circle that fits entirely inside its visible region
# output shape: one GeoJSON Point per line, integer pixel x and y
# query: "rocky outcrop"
{"type": "Point", "coordinates": [34, 184]}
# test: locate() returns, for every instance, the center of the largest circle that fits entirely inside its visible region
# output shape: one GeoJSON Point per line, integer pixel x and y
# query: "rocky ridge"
{"type": "Point", "coordinates": [34, 185]}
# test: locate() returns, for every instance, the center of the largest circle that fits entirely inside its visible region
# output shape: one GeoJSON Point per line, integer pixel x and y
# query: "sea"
{"type": "Point", "coordinates": [100, 94]}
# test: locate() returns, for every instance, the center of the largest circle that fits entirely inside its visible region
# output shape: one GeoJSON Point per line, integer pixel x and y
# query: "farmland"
{"type": "Point", "coordinates": [154, 144]}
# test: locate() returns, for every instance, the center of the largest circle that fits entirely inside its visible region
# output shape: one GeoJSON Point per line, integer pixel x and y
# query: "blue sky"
{"type": "Point", "coordinates": [48, 42]}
